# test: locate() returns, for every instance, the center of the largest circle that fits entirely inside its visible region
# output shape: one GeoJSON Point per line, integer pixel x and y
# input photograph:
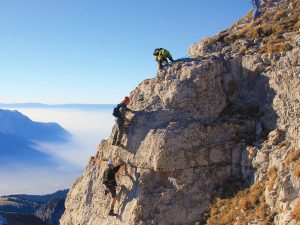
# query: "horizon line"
{"type": "Point", "coordinates": [54, 104]}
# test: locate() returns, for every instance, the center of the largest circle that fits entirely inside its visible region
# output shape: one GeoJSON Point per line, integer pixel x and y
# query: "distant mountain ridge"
{"type": "Point", "coordinates": [48, 208]}
{"type": "Point", "coordinates": [56, 106]}
{"type": "Point", "coordinates": [19, 136]}
{"type": "Point", "coordinates": [16, 149]}
{"type": "Point", "coordinates": [15, 123]}
{"type": "Point", "coordinates": [40, 198]}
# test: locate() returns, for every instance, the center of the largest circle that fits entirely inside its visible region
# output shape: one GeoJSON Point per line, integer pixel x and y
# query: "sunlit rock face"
{"type": "Point", "coordinates": [200, 122]}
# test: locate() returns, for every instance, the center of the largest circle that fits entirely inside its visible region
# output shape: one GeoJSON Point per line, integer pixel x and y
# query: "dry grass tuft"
{"type": "Point", "coordinates": [269, 29]}
{"type": "Point", "coordinates": [296, 211]}
{"type": "Point", "coordinates": [272, 177]}
{"type": "Point", "coordinates": [4, 201]}
{"type": "Point", "coordinates": [7, 201]}
{"type": "Point", "coordinates": [296, 169]}
{"type": "Point", "coordinates": [280, 47]}
{"type": "Point", "coordinates": [207, 41]}
{"type": "Point", "coordinates": [246, 205]}
{"type": "Point", "coordinates": [293, 155]}
{"type": "Point", "coordinates": [285, 144]}
{"type": "Point", "coordinates": [243, 50]}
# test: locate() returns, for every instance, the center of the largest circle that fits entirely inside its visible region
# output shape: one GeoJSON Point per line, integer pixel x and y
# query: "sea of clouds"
{"type": "Point", "coordinates": [87, 126]}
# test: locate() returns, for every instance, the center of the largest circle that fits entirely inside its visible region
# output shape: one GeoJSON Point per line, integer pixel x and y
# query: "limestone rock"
{"type": "Point", "coordinates": [199, 122]}
{"type": "Point", "coordinates": [275, 137]}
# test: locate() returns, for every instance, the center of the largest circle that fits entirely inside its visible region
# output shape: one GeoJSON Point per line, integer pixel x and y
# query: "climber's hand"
{"type": "Point", "coordinates": [121, 162]}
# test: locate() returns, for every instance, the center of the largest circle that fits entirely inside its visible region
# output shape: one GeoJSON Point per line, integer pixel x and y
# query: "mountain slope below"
{"type": "Point", "coordinates": [15, 123]}
{"type": "Point", "coordinates": [41, 198]}
{"type": "Point", "coordinates": [48, 208]}
{"type": "Point", "coordinates": [19, 139]}
{"type": "Point", "coordinates": [52, 211]}
{"type": "Point", "coordinates": [20, 219]}
{"type": "Point", "coordinates": [17, 150]}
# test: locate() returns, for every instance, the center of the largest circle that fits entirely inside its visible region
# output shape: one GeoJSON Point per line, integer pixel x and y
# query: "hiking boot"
{"type": "Point", "coordinates": [111, 213]}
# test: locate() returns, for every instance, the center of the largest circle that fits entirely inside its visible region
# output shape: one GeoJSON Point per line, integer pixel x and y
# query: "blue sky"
{"type": "Point", "coordinates": [71, 51]}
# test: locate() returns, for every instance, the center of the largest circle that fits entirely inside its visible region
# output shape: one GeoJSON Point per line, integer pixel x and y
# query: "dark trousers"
{"type": "Point", "coordinates": [112, 189]}
{"type": "Point", "coordinates": [119, 131]}
{"type": "Point", "coordinates": [165, 61]}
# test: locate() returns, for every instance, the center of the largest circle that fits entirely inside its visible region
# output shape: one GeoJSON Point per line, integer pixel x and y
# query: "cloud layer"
{"type": "Point", "coordinates": [88, 128]}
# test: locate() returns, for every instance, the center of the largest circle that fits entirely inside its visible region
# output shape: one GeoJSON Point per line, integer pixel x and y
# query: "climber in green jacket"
{"type": "Point", "coordinates": [162, 55]}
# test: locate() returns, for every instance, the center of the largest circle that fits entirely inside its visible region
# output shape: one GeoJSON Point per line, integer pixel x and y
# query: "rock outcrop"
{"type": "Point", "coordinates": [223, 115]}
{"type": "Point", "coordinates": [49, 208]}
{"type": "Point", "coordinates": [19, 219]}
{"type": "Point", "coordinates": [52, 211]}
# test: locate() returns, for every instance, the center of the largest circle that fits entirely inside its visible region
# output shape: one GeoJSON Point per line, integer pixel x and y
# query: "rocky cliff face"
{"type": "Point", "coordinates": [229, 114]}
{"type": "Point", "coordinates": [52, 211]}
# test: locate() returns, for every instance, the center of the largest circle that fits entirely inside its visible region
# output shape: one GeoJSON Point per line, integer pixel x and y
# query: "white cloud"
{"type": "Point", "coordinates": [88, 129]}
{"type": "Point", "coordinates": [36, 180]}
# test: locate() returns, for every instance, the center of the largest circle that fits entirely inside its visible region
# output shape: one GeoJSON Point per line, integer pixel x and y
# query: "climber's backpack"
{"type": "Point", "coordinates": [116, 113]}
{"type": "Point", "coordinates": [104, 177]}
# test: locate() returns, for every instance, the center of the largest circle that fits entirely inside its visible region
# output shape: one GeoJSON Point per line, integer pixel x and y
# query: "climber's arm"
{"type": "Point", "coordinates": [120, 167]}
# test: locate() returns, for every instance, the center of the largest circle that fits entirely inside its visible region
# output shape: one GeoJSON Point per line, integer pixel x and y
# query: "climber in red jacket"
{"type": "Point", "coordinates": [119, 113]}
